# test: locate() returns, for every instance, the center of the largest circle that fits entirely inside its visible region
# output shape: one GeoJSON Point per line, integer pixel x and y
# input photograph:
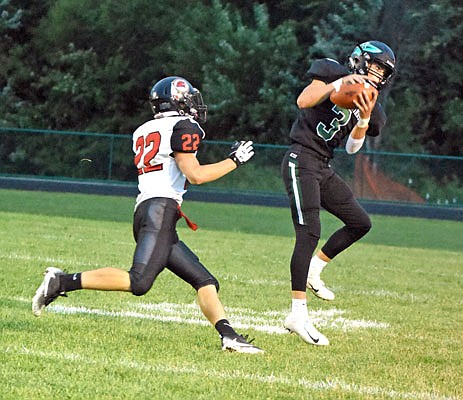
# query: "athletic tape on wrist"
{"type": "Point", "coordinates": [337, 84]}
{"type": "Point", "coordinates": [363, 122]}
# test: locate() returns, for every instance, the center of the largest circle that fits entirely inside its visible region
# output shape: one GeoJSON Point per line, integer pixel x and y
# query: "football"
{"type": "Point", "coordinates": [348, 92]}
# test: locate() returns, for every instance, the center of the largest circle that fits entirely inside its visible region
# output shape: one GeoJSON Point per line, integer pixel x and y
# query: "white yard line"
{"type": "Point", "coordinates": [243, 318]}
{"type": "Point", "coordinates": [321, 386]}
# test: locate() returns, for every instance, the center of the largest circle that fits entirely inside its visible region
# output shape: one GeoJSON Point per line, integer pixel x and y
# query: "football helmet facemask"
{"type": "Point", "coordinates": [177, 94]}
{"type": "Point", "coordinates": [373, 52]}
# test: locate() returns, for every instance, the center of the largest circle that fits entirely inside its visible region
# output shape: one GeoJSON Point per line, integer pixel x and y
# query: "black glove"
{"type": "Point", "coordinates": [241, 152]}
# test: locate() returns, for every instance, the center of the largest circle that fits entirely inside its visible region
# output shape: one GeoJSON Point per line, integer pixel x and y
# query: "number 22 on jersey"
{"type": "Point", "coordinates": [146, 149]}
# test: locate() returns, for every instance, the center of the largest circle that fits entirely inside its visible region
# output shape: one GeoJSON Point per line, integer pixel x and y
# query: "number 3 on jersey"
{"type": "Point", "coordinates": [146, 149]}
{"type": "Point", "coordinates": [341, 119]}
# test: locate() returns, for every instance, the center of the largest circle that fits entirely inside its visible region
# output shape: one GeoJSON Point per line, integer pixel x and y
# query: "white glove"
{"type": "Point", "coordinates": [241, 152]}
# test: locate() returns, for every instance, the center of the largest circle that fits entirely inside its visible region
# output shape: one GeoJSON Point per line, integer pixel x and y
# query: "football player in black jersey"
{"type": "Point", "coordinates": [311, 183]}
{"type": "Point", "coordinates": [165, 155]}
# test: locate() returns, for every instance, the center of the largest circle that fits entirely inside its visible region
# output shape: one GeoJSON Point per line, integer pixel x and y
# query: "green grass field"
{"type": "Point", "coordinates": [395, 327]}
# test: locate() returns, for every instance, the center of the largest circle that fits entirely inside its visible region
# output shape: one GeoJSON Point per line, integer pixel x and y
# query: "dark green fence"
{"type": "Point", "coordinates": [410, 178]}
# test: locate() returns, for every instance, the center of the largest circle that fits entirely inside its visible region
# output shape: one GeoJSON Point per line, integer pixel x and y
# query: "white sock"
{"type": "Point", "coordinates": [316, 267]}
{"type": "Point", "coordinates": [299, 307]}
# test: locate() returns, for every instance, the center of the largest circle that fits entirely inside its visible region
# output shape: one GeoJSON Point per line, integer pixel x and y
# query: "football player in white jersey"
{"type": "Point", "coordinates": [165, 156]}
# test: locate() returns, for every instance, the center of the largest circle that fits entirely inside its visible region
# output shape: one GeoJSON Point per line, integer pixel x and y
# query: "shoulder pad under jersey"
{"type": "Point", "coordinates": [327, 70]}
{"type": "Point", "coordinates": [186, 136]}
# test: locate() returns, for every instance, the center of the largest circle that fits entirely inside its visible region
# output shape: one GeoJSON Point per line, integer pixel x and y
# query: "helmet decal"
{"type": "Point", "coordinates": [179, 88]}
{"type": "Point", "coordinates": [370, 48]}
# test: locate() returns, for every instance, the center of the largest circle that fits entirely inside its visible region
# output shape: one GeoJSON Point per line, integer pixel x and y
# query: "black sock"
{"type": "Point", "coordinates": [225, 329]}
{"type": "Point", "coordinates": [70, 282]}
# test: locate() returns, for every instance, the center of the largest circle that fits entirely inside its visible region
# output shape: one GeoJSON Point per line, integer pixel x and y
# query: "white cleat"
{"type": "Point", "coordinates": [48, 291]}
{"type": "Point", "coordinates": [318, 288]}
{"type": "Point", "coordinates": [240, 344]}
{"type": "Point", "coordinates": [305, 329]}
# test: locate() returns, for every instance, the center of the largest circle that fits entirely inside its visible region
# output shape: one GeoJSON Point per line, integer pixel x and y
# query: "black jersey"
{"type": "Point", "coordinates": [322, 128]}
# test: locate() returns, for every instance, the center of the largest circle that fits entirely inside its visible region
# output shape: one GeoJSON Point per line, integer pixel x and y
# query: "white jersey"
{"type": "Point", "coordinates": [154, 143]}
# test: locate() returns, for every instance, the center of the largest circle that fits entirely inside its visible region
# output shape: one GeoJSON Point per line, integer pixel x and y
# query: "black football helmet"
{"type": "Point", "coordinates": [177, 94]}
{"type": "Point", "coordinates": [373, 52]}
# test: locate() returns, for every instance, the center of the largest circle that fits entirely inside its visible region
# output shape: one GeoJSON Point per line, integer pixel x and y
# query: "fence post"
{"type": "Point", "coordinates": [111, 151]}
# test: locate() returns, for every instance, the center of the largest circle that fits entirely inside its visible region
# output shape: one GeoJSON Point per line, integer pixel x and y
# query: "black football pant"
{"type": "Point", "coordinates": [311, 184]}
{"type": "Point", "coordinates": [158, 247]}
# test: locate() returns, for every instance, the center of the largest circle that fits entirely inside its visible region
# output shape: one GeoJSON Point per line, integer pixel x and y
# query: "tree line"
{"type": "Point", "coordinates": [86, 65]}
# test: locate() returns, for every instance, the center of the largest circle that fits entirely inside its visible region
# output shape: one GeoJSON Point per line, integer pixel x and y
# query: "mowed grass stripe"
{"type": "Point", "coordinates": [333, 384]}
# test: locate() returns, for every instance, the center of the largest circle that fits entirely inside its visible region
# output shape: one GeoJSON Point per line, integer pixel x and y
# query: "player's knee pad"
{"type": "Point", "coordinates": [357, 232]}
{"type": "Point", "coordinates": [307, 233]}
{"type": "Point", "coordinates": [139, 284]}
{"type": "Point", "coordinates": [186, 265]}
